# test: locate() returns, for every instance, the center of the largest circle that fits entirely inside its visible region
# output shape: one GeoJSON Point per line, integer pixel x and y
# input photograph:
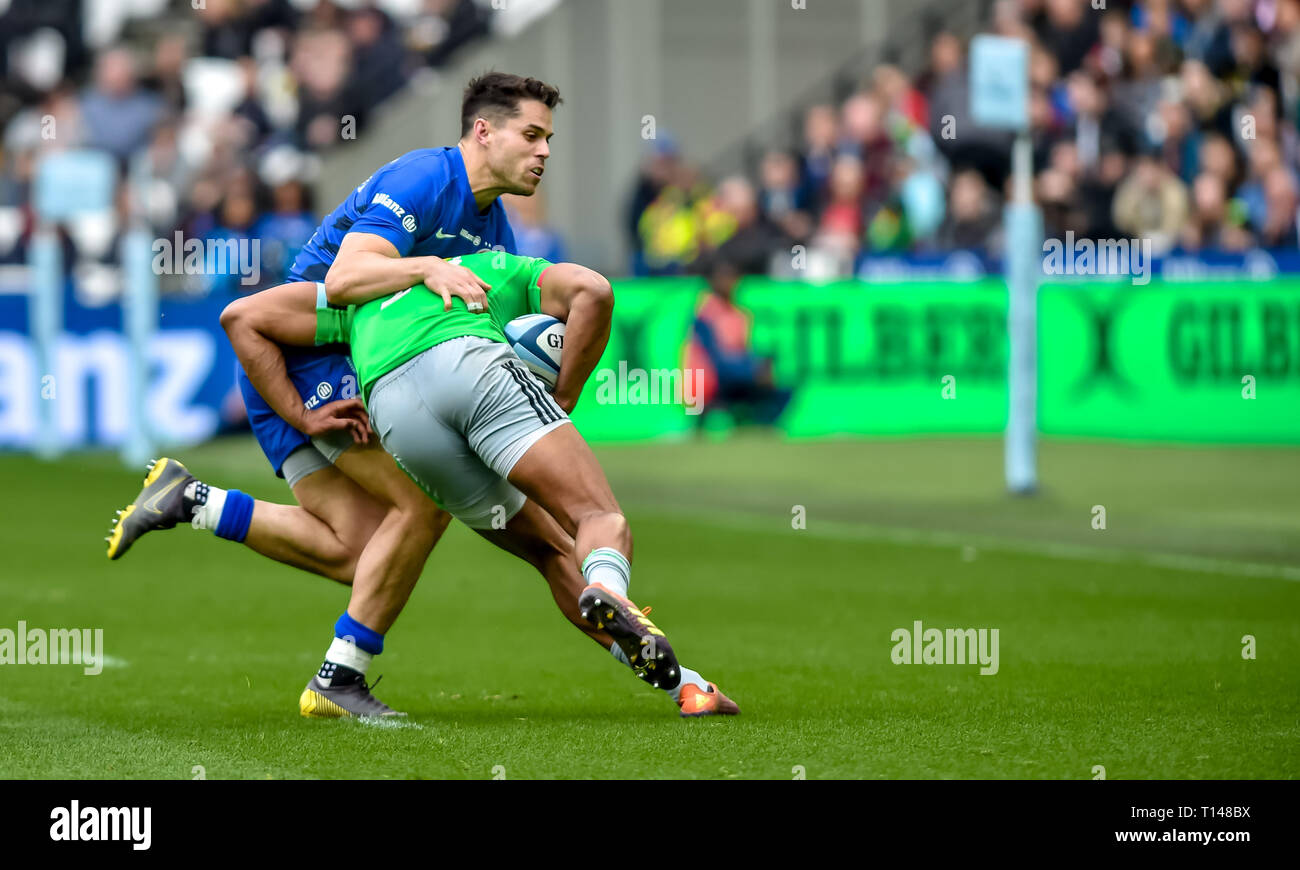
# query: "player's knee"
{"type": "Point", "coordinates": [420, 522]}
{"type": "Point", "coordinates": [341, 562]}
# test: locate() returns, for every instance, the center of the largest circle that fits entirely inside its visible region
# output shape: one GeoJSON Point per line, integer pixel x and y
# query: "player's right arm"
{"type": "Point", "coordinates": [369, 266]}
{"type": "Point", "coordinates": [257, 326]}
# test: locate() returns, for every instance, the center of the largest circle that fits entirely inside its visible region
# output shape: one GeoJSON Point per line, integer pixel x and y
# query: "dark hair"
{"type": "Point", "coordinates": [498, 94]}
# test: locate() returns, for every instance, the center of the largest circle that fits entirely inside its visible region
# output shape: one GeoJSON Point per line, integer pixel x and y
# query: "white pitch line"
{"type": "Point", "coordinates": [845, 531]}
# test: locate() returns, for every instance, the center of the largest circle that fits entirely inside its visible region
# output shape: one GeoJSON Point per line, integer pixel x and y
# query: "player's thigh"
{"type": "Point", "coordinates": [351, 513]}
{"type": "Point", "coordinates": [375, 470]}
{"type": "Point", "coordinates": [434, 454]}
{"type": "Point", "coordinates": [561, 474]}
{"type": "Point", "coordinates": [481, 389]}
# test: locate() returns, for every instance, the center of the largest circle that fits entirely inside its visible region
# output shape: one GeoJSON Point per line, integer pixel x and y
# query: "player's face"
{"type": "Point", "coordinates": [519, 147]}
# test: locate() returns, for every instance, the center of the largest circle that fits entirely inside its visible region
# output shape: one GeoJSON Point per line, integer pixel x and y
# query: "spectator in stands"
{"type": "Point", "coordinates": [119, 115]}
{"type": "Point", "coordinates": [235, 218]}
{"type": "Point", "coordinates": [782, 197]}
{"type": "Point", "coordinates": [905, 105]}
{"type": "Point", "coordinates": [863, 135]}
{"type": "Point", "coordinates": [1138, 93]}
{"type": "Point", "coordinates": [737, 230]}
{"type": "Point", "coordinates": [1207, 97]}
{"type": "Point", "coordinates": [1252, 66]}
{"type": "Point", "coordinates": [1217, 157]}
{"type": "Point", "coordinates": [229, 26]}
{"type": "Point", "coordinates": [842, 226]}
{"type": "Point", "coordinates": [290, 220]}
{"type": "Point", "coordinates": [1172, 132]}
{"type": "Point", "coordinates": [820, 136]}
{"type": "Point", "coordinates": [1068, 31]}
{"type": "Point", "coordinates": [657, 171]}
{"type": "Point", "coordinates": [1191, 84]}
{"type": "Point", "coordinates": [1208, 38]}
{"type": "Point", "coordinates": [962, 142]}
{"type": "Point", "coordinates": [1278, 229]}
{"type": "Point", "coordinates": [1262, 111]}
{"type": "Point", "coordinates": [1107, 57]}
{"type": "Point", "coordinates": [1057, 196]}
{"type": "Point", "coordinates": [670, 226]}
{"type": "Point", "coordinates": [449, 24]}
{"type": "Point", "coordinates": [378, 68]}
{"type": "Point", "coordinates": [972, 216]}
{"type": "Point", "coordinates": [320, 63]}
{"type": "Point", "coordinates": [166, 78]}
{"type": "Point", "coordinates": [1265, 156]}
{"type": "Point", "coordinates": [734, 378]}
{"type": "Point", "coordinates": [1216, 223]}
{"type": "Point", "coordinates": [1286, 43]}
{"type": "Point", "coordinates": [1097, 128]}
{"type": "Point", "coordinates": [250, 108]}
{"type": "Point", "coordinates": [170, 175]}
{"type": "Point", "coordinates": [1152, 204]}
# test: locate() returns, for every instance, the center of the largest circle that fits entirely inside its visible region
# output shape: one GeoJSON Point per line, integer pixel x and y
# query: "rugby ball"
{"type": "Point", "coordinates": [538, 340]}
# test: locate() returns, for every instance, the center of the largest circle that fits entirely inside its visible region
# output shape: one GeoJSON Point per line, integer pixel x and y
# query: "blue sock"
{"type": "Point", "coordinates": [236, 516]}
{"type": "Point", "coordinates": [366, 639]}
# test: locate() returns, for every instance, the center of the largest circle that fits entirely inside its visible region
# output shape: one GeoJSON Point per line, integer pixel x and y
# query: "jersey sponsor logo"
{"type": "Point", "coordinates": [408, 223]}
{"type": "Point", "coordinates": [324, 390]}
{"type": "Point", "coordinates": [387, 202]}
{"type": "Point", "coordinates": [478, 240]}
{"type": "Point", "coordinates": [439, 234]}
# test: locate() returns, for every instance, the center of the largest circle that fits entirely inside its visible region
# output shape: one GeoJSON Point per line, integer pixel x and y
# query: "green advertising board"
{"type": "Point", "coordinates": [1213, 362]}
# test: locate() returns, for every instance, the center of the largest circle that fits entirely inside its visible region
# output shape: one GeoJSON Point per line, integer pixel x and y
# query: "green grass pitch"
{"type": "Point", "coordinates": [1119, 647]}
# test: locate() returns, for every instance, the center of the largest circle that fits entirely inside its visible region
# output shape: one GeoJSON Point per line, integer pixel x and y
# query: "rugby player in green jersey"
{"type": "Point", "coordinates": [481, 436]}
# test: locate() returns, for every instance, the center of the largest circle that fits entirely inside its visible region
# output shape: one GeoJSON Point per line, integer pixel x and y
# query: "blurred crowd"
{"type": "Point", "coordinates": [215, 113]}
{"type": "Point", "coordinates": [1173, 120]}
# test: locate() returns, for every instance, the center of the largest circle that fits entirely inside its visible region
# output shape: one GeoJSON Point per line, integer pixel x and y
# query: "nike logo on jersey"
{"type": "Point", "coordinates": [439, 234]}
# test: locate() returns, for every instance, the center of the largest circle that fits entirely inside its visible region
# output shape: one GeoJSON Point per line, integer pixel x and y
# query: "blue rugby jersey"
{"type": "Point", "coordinates": [421, 202]}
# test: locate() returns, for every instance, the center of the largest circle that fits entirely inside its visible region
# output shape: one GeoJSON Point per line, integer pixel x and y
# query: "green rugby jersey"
{"type": "Point", "coordinates": [386, 332]}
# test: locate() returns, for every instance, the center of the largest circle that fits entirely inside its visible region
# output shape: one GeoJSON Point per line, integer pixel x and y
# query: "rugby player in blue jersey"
{"type": "Point", "coordinates": [359, 518]}
{"type": "Point", "coordinates": [399, 227]}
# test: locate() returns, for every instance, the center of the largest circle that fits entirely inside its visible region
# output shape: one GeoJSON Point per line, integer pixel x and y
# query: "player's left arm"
{"type": "Point", "coordinates": [583, 299]}
{"type": "Point", "coordinates": [257, 326]}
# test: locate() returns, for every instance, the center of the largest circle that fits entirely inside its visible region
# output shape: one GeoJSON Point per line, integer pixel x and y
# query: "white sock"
{"type": "Point", "coordinates": [692, 677]}
{"type": "Point", "coordinates": [208, 514]}
{"type": "Point", "coordinates": [688, 675]}
{"type": "Point", "coordinates": [349, 655]}
{"type": "Point", "coordinates": [609, 568]}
